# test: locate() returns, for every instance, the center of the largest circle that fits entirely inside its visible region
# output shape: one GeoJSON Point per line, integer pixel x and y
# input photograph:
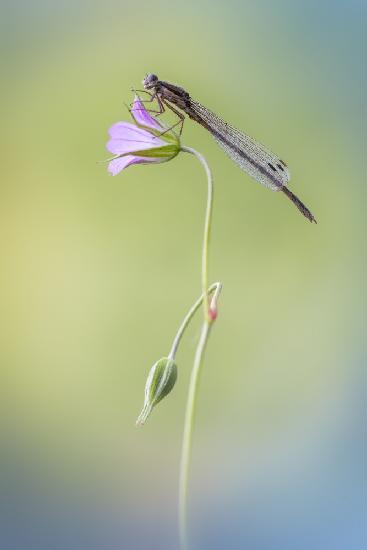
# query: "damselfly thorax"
{"type": "Point", "coordinates": [255, 159]}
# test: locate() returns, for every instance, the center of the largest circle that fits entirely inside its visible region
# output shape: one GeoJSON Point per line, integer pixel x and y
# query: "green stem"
{"type": "Point", "coordinates": [188, 433]}
{"type": "Point", "coordinates": [215, 287]}
{"type": "Point", "coordinates": [207, 229]}
{"type": "Point", "coordinates": [199, 357]}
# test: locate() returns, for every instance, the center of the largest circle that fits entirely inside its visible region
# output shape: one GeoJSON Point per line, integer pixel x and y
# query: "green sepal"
{"type": "Point", "coordinates": [165, 151]}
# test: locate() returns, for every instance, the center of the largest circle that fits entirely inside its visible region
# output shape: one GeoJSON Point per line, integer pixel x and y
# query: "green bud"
{"type": "Point", "coordinates": [161, 379]}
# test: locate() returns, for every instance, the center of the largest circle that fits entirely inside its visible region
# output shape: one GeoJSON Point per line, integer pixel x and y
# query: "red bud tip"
{"type": "Point", "coordinates": [213, 313]}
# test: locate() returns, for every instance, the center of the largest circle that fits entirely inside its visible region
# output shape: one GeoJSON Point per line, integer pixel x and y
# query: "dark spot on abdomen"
{"type": "Point", "coordinates": [272, 167]}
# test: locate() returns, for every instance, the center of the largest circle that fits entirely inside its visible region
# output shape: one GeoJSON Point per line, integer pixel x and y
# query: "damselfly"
{"type": "Point", "coordinates": [260, 163]}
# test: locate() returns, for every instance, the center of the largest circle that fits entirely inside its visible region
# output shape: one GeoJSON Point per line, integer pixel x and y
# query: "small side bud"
{"type": "Point", "coordinates": [213, 313]}
{"type": "Point", "coordinates": [161, 379]}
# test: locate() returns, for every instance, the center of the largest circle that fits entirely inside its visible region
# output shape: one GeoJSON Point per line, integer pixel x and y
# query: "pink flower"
{"type": "Point", "coordinates": [140, 142]}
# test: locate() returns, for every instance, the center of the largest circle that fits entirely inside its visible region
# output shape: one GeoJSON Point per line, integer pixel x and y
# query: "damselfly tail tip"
{"type": "Point", "coordinates": [299, 204]}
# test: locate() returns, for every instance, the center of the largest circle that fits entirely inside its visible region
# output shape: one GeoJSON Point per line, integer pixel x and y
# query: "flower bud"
{"type": "Point", "coordinates": [161, 379]}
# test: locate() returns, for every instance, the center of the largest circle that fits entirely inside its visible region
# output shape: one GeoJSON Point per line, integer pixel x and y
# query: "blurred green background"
{"type": "Point", "coordinates": [97, 273]}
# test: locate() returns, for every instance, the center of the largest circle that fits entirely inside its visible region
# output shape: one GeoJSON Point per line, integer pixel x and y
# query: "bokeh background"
{"type": "Point", "coordinates": [97, 273]}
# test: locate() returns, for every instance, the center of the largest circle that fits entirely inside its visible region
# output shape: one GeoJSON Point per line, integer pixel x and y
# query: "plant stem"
{"type": "Point", "coordinates": [207, 228]}
{"type": "Point", "coordinates": [215, 287]}
{"type": "Point", "coordinates": [199, 357]}
{"type": "Point", "coordinates": [188, 433]}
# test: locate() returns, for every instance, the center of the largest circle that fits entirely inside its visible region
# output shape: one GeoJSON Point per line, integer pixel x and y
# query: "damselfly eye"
{"type": "Point", "coordinates": [149, 81]}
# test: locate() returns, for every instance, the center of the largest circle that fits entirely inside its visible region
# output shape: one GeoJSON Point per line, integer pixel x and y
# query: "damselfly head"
{"type": "Point", "coordinates": [150, 81]}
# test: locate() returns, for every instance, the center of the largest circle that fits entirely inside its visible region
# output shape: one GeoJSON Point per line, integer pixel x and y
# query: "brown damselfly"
{"type": "Point", "coordinates": [260, 163]}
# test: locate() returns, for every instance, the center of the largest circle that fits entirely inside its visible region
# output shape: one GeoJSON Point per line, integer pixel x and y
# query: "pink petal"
{"type": "Point", "coordinates": [121, 130]}
{"type": "Point", "coordinates": [142, 116]}
{"type": "Point", "coordinates": [116, 165]}
{"type": "Point", "coordinates": [129, 145]}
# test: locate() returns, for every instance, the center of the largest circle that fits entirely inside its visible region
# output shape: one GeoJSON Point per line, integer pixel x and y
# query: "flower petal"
{"type": "Point", "coordinates": [122, 130]}
{"type": "Point", "coordinates": [129, 145]}
{"type": "Point", "coordinates": [116, 165]}
{"type": "Point", "coordinates": [142, 116]}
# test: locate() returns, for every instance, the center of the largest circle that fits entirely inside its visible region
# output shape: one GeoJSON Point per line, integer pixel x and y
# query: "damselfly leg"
{"type": "Point", "coordinates": [177, 113]}
{"type": "Point", "coordinates": [162, 104]}
{"type": "Point", "coordinates": [152, 98]}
